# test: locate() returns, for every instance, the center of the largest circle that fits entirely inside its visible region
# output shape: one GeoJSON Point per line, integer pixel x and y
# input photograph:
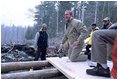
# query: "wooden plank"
{"type": "Point", "coordinates": [74, 70]}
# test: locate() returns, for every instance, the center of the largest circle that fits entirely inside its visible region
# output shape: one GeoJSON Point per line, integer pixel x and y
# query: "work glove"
{"type": "Point", "coordinates": [60, 50]}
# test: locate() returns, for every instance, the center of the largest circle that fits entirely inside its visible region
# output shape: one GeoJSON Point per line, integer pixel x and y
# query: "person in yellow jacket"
{"type": "Point", "coordinates": [88, 46]}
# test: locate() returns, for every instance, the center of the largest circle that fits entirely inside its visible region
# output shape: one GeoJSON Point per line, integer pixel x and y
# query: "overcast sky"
{"type": "Point", "coordinates": [16, 12]}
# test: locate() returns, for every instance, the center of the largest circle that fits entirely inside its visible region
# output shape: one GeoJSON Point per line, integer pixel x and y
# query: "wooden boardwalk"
{"type": "Point", "coordinates": [74, 70]}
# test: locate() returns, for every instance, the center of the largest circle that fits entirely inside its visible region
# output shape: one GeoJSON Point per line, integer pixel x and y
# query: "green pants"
{"type": "Point", "coordinates": [74, 54]}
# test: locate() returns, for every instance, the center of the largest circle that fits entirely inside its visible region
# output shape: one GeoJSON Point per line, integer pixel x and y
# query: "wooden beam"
{"type": "Point", "coordinates": [11, 66]}
{"type": "Point", "coordinates": [37, 74]}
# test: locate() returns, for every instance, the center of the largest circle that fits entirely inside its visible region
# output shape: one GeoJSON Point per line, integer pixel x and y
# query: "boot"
{"type": "Point", "coordinates": [99, 71]}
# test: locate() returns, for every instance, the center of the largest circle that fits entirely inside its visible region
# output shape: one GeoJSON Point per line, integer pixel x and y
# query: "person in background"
{"type": "Point", "coordinates": [41, 43]}
{"type": "Point", "coordinates": [99, 50]}
{"type": "Point", "coordinates": [75, 34]}
{"type": "Point", "coordinates": [88, 46]}
{"type": "Point", "coordinates": [106, 23]}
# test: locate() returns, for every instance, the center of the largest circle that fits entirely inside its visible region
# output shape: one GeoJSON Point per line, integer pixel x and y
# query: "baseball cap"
{"type": "Point", "coordinates": [105, 19]}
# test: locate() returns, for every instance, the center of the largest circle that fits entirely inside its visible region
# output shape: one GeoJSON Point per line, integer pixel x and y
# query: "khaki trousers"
{"type": "Point", "coordinates": [100, 39]}
{"type": "Point", "coordinates": [74, 54]}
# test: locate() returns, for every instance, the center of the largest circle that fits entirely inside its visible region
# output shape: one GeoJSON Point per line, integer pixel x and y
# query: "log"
{"type": "Point", "coordinates": [37, 74]}
{"type": "Point", "coordinates": [11, 66]}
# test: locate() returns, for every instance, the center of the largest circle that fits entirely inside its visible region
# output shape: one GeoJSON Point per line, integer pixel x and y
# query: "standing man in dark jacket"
{"type": "Point", "coordinates": [41, 43]}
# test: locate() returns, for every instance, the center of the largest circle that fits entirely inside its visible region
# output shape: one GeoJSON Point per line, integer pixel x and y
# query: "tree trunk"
{"type": "Point", "coordinates": [96, 9]}
{"type": "Point", "coordinates": [38, 74]}
{"type": "Point", "coordinates": [11, 66]}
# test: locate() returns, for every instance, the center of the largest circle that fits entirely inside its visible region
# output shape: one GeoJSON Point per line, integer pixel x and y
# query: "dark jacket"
{"type": "Point", "coordinates": [42, 39]}
{"type": "Point", "coordinates": [106, 26]}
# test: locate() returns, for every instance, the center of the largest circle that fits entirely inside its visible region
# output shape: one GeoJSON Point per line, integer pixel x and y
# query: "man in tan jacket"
{"type": "Point", "coordinates": [75, 35]}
